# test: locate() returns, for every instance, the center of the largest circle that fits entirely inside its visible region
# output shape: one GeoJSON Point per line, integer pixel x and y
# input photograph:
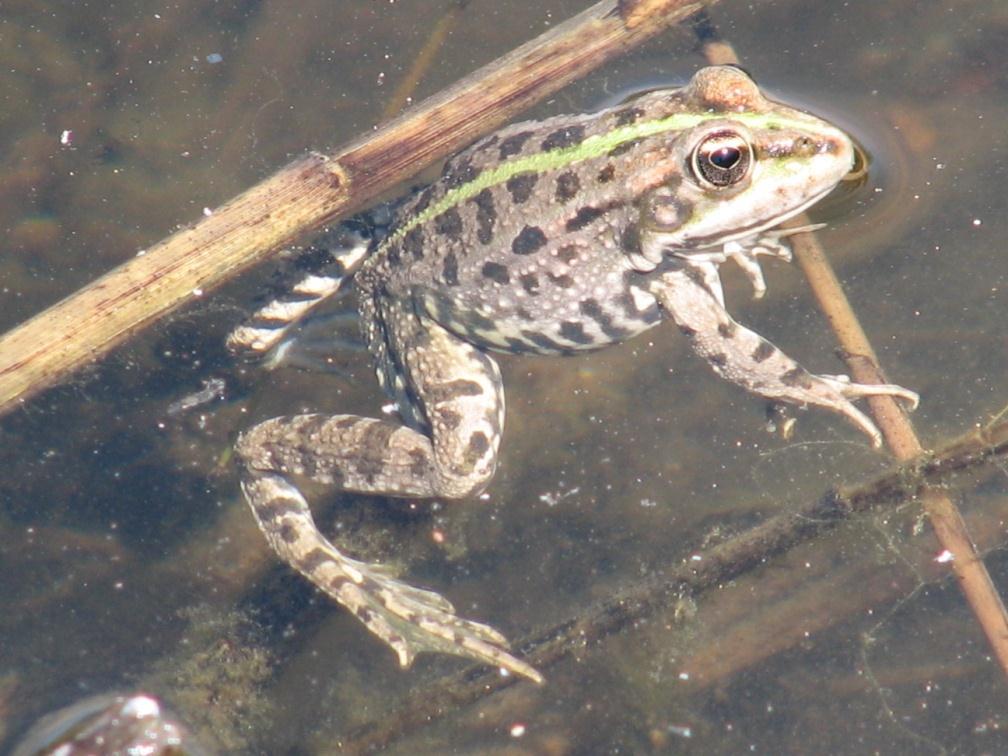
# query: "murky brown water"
{"type": "Point", "coordinates": [130, 559]}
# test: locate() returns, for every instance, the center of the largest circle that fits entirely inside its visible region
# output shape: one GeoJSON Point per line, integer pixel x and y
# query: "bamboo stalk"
{"type": "Point", "coordinates": [313, 191]}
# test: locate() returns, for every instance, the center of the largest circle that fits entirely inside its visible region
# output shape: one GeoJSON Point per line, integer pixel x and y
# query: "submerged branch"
{"type": "Point", "coordinates": [750, 550]}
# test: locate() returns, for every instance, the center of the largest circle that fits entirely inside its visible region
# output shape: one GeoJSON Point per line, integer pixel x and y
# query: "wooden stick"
{"type": "Point", "coordinates": [313, 191]}
{"type": "Point", "coordinates": [944, 516]}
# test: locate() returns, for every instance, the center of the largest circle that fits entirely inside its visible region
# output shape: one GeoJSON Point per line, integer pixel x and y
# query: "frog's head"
{"type": "Point", "coordinates": [741, 164]}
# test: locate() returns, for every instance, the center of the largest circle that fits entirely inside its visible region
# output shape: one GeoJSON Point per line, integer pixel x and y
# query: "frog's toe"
{"type": "Point", "coordinates": [838, 392]}
{"type": "Point", "coordinates": [845, 386]}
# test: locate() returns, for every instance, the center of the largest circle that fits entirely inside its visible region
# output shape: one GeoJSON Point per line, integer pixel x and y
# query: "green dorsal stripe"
{"type": "Point", "coordinates": [590, 147]}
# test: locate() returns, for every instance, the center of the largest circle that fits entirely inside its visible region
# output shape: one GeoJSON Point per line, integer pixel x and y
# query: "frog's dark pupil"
{"type": "Point", "coordinates": [725, 157]}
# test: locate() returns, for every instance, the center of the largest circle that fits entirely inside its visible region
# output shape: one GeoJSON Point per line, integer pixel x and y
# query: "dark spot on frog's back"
{"type": "Point", "coordinates": [315, 559]}
{"type": "Point", "coordinates": [449, 270]}
{"type": "Point", "coordinates": [628, 116]}
{"type": "Point", "coordinates": [420, 463]}
{"type": "Point", "coordinates": [796, 377]}
{"type": "Point", "coordinates": [376, 435]}
{"type": "Point", "coordinates": [530, 282]}
{"type": "Point", "coordinates": [623, 148]}
{"type": "Point", "coordinates": [281, 507]}
{"type": "Point", "coordinates": [521, 186]}
{"type": "Point", "coordinates": [413, 243]}
{"type": "Point", "coordinates": [462, 172]}
{"type": "Point", "coordinates": [496, 272]}
{"type": "Point", "coordinates": [561, 280]}
{"type": "Point", "coordinates": [630, 239]}
{"type": "Point", "coordinates": [606, 174]}
{"type": "Point", "coordinates": [567, 186]}
{"type": "Point", "coordinates": [568, 253]}
{"type": "Point", "coordinates": [423, 201]}
{"type": "Point", "coordinates": [393, 255]}
{"type": "Point", "coordinates": [487, 143]}
{"type": "Point", "coordinates": [583, 217]}
{"type": "Point", "coordinates": [450, 418]}
{"type": "Point", "coordinates": [513, 144]}
{"type": "Point", "coordinates": [288, 533]}
{"type": "Point", "coordinates": [528, 241]}
{"type": "Point", "coordinates": [565, 137]}
{"type": "Point", "coordinates": [449, 223]}
{"type": "Point", "coordinates": [486, 216]}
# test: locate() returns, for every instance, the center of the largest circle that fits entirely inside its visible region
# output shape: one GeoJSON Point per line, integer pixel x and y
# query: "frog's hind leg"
{"type": "Point", "coordinates": [750, 361]}
{"type": "Point", "coordinates": [411, 620]}
{"type": "Point", "coordinates": [463, 411]}
{"type": "Point", "coordinates": [333, 259]}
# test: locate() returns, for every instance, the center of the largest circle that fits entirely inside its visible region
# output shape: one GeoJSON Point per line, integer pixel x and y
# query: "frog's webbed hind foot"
{"type": "Point", "coordinates": [411, 620]}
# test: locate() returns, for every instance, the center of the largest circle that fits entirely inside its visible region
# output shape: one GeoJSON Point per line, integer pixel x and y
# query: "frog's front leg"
{"type": "Point", "coordinates": [464, 409]}
{"type": "Point", "coordinates": [747, 359]}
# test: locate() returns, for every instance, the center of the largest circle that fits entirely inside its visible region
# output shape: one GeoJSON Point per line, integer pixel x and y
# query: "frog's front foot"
{"type": "Point", "coordinates": [750, 361]}
{"type": "Point", "coordinates": [411, 620]}
{"type": "Point", "coordinates": [836, 392]}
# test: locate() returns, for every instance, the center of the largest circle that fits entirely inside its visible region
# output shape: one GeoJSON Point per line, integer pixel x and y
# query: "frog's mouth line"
{"type": "Point", "coordinates": [714, 240]}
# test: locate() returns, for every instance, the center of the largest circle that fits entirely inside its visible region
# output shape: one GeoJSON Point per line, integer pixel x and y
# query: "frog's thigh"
{"type": "Point", "coordinates": [348, 452]}
{"type": "Point", "coordinates": [460, 395]}
{"type": "Point", "coordinates": [458, 389]}
{"type": "Point", "coordinates": [748, 360]}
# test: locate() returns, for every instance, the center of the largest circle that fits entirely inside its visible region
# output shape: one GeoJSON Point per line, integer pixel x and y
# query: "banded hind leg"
{"type": "Point", "coordinates": [319, 272]}
{"type": "Point", "coordinates": [459, 413]}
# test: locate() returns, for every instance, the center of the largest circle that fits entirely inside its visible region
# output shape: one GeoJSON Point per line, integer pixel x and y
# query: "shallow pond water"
{"type": "Point", "coordinates": [131, 561]}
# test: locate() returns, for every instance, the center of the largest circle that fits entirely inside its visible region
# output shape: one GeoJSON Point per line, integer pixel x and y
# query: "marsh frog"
{"type": "Point", "coordinates": [552, 237]}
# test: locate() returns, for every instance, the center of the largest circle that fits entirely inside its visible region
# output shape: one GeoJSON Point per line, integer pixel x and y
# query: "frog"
{"type": "Point", "coordinates": [551, 237]}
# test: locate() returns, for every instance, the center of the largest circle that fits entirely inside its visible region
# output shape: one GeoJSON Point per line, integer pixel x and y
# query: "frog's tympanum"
{"type": "Point", "coordinates": [549, 237]}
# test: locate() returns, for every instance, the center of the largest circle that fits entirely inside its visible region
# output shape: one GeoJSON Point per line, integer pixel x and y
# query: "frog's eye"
{"type": "Point", "coordinates": [721, 159]}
